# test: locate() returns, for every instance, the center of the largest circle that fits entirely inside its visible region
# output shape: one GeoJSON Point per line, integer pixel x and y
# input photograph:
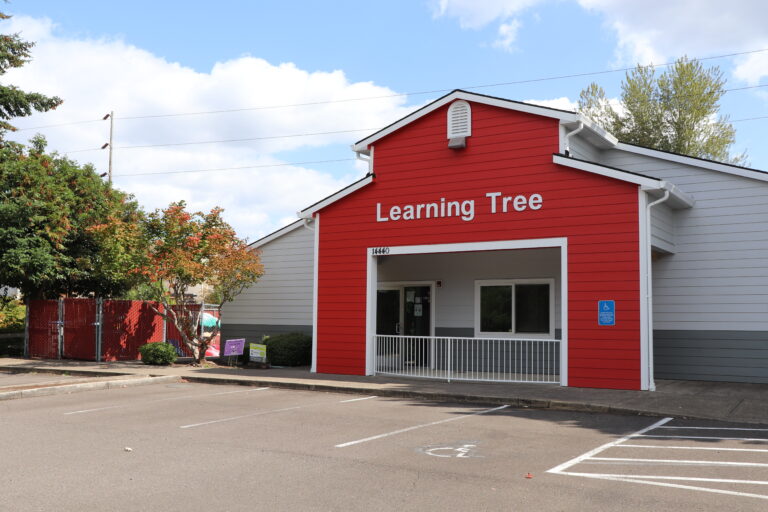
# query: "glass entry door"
{"type": "Point", "coordinates": [416, 311]}
{"type": "Point", "coordinates": [388, 312]}
{"type": "Point", "coordinates": [404, 310]}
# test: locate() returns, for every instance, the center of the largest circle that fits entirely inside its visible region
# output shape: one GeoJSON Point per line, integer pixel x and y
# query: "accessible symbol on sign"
{"type": "Point", "coordinates": [606, 312]}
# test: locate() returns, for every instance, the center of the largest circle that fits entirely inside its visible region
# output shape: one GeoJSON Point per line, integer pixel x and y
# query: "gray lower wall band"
{"type": "Point", "coordinates": [726, 356]}
{"type": "Point", "coordinates": [253, 333]}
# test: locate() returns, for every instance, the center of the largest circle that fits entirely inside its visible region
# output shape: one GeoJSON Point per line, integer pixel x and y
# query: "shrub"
{"type": "Point", "coordinates": [12, 317]}
{"type": "Point", "coordinates": [158, 353]}
{"type": "Point", "coordinates": [289, 349]}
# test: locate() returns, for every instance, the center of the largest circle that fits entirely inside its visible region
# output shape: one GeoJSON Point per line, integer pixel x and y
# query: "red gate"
{"type": "Point", "coordinates": [44, 329]}
{"type": "Point", "coordinates": [126, 325]}
{"type": "Point", "coordinates": [79, 329]}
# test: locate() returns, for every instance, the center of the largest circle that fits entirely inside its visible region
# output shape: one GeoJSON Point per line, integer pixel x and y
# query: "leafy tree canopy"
{"type": "Point", "coordinates": [14, 53]}
{"type": "Point", "coordinates": [63, 230]}
{"type": "Point", "coordinates": [676, 111]}
{"type": "Point", "coordinates": [189, 249]}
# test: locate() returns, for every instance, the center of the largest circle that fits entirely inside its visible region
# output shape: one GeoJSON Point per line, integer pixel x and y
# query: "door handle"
{"type": "Point", "coordinates": [397, 328]}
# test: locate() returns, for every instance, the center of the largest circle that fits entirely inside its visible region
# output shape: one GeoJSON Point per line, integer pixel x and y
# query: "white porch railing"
{"type": "Point", "coordinates": [477, 359]}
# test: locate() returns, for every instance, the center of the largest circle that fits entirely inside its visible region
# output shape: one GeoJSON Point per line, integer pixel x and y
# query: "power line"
{"type": "Point", "coordinates": [416, 93]}
{"type": "Point", "coordinates": [747, 119]}
{"type": "Point", "coordinates": [237, 168]}
{"type": "Point", "coordinates": [223, 141]}
{"type": "Point", "coordinates": [312, 134]}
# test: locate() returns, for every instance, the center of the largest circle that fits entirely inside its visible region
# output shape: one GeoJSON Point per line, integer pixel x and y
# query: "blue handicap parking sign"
{"type": "Point", "coordinates": [606, 312]}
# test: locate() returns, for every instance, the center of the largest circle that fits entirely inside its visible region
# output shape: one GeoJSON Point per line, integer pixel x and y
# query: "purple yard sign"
{"type": "Point", "coordinates": [234, 347]}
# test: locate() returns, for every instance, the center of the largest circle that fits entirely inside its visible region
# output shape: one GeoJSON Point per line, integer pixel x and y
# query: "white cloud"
{"type": "Point", "coordinates": [97, 76]}
{"type": "Point", "coordinates": [507, 35]}
{"type": "Point", "coordinates": [648, 31]}
{"type": "Point", "coordinates": [475, 14]}
{"type": "Point", "coordinates": [659, 30]}
{"type": "Point", "coordinates": [563, 103]}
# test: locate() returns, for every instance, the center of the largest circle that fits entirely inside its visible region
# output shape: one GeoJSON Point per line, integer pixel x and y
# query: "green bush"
{"type": "Point", "coordinates": [12, 317]}
{"type": "Point", "coordinates": [289, 349]}
{"type": "Point", "coordinates": [158, 353]}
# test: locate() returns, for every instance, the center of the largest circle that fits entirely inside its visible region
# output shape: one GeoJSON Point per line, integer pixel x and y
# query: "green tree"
{"type": "Point", "coordinates": [676, 111]}
{"type": "Point", "coordinates": [63, 230]}
{"type": "Point", "coordinates": [186, 250]}
{"type": "Point", "coordinates": [14, 53]}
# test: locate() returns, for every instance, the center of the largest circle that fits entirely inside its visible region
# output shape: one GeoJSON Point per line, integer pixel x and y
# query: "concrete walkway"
{"type": "Point", "coordinates": [747, 403]}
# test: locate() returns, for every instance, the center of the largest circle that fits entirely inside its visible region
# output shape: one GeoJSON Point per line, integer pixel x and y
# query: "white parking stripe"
{"type": "Point", "coordinates": [682, 478]}
{"type": "Point", "coordinates": [659, 446]}
{"type": "Point", "coordinates": [83, 411]}
{"type": "Point", "coordinates": [751, 439]}
{"type": "Point", "coordinates": [717, 428]}
{"type": "Point", "coordinates": [260, 413]}
{"type": "Point", "coordinates": [565, 465]}
{"type": "Point", "coordinates": [423, 425]}
{"type": "Point", "coordinates": [676, 486]}
{"type": "Point", "coordinates": [357, 399]}
{"type": "Point", "coordinates": [682, 462]}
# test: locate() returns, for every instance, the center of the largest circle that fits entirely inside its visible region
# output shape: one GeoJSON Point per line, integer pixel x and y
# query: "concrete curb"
{"type": "Point", "coordinates": [87, 386]}
{"type": "Point", "coordinates": [357, 389]}
{"type": "Point", "coordinates": [62, 371]}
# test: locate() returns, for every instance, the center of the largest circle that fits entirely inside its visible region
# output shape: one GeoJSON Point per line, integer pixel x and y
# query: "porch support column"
{"type": "Point", "coordinates": [370, 313]}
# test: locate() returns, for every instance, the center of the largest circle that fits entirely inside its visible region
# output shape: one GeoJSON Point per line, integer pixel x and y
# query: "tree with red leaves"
{"type": "Point", "coordinates": [186, 250]}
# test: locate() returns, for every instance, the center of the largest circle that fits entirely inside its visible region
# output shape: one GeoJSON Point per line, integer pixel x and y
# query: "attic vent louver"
{"type": "Point", "coordinates": [459, 124]}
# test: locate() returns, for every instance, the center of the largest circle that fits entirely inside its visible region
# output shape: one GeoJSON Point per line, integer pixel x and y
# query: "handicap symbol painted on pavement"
{"type": "Point", "coordinates": [461, 450]}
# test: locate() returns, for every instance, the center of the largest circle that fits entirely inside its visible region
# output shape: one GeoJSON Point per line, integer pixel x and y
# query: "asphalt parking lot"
{"type": "Point", "coordinates": [202, 447]}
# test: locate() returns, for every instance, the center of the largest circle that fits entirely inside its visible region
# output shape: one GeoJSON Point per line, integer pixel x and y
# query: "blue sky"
{"type": "Point", "coordinates": [147, 58]}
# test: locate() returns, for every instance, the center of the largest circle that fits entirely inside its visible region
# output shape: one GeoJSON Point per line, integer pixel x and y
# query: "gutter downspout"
{"type": "Point", "coordinates": [568, 138]}
{"type": "Point", "coordinates": [649, 282]}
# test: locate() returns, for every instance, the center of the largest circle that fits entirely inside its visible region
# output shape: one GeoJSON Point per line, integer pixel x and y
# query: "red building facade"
{"type": "Point", "coordinates": [506, 185]}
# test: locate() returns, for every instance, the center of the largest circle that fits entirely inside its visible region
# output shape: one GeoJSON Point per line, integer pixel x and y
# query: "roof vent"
{"type": "Point", "coordinates": [459, 124]}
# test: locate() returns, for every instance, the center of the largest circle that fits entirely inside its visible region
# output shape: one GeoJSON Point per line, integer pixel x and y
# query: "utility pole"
{"type": "Point", "coordinates": [111, 117]}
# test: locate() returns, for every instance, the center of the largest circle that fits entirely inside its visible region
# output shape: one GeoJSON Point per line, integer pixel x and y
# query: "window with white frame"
{"type": "Point", "coordinates": [515, 308]}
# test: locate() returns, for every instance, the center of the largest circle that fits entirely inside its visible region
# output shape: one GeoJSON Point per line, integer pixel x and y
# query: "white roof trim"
{"type": "Point", "coordinates": [308, 212]}
{"type": "Point", "coordinates": [695, 162]}
{"type": "Point", "coordinates": [650, 183]}
{"type": "Point", "coordinates": [566, 117]}
{"type": "Point", "coordinates": [276, 234]}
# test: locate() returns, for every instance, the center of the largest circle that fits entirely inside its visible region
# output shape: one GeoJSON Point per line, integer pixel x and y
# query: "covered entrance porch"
{"type": "Point", "coordinates": [489, 311]}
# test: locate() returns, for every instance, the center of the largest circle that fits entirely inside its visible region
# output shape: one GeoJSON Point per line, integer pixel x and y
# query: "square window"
{"type": "Point", "coordinates": [515, 307]}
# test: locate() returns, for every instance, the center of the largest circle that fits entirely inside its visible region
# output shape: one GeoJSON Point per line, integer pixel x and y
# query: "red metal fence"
{"type": "Point", "coordinates": [101, 330]}
{"type": "Point", "coordinates": [79, 329]}
{"type": "Point", "coordinates": [125, 326]}
{"type": "Point", "coordinates": [43, 329]}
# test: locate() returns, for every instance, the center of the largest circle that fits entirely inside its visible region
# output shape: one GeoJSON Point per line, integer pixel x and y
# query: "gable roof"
{"type": "Point", "coordinates": [596, 134]}
{"type": "Point", "coordinates": [712, 165]}
{"type": "Point", "coordinates": [655, 186]}
{"type": "Point", "coordinates": [276, 234]}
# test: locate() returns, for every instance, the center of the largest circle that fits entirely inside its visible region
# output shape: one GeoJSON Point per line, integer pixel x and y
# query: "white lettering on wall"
{"type": "Point", "coordinates": [462, 209]}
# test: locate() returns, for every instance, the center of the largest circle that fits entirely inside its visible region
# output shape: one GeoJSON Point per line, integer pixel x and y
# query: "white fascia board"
{"type": "Point", "coordinates": [569, 117]}
{"type": "Point", "coordinates": [276, 234]}
{"type": "Point", "coordinates": [308, 212]}
{"type": "Point", "coordinates": [678, 200]}
{"type": "Point", "coordinates": [744, 172]}
{"type": "Point", "coordinates": [594, 132]}
{"type": "Point", "coordinates": [649, 183]}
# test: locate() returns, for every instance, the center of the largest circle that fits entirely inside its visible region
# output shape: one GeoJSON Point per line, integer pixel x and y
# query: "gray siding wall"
{"type": "Point", "coordinates": [718, 277]}
{"type": "Point", "coordinates": [710, 298]}
{"type": "Point", "coordinates": [283, 295]}
{"type": "Point", "coordinates": [582, 149]}
{"type": "Point", "coordinates": [663, 228]}
{"type": "Point", "coordinates": [455, 300]}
